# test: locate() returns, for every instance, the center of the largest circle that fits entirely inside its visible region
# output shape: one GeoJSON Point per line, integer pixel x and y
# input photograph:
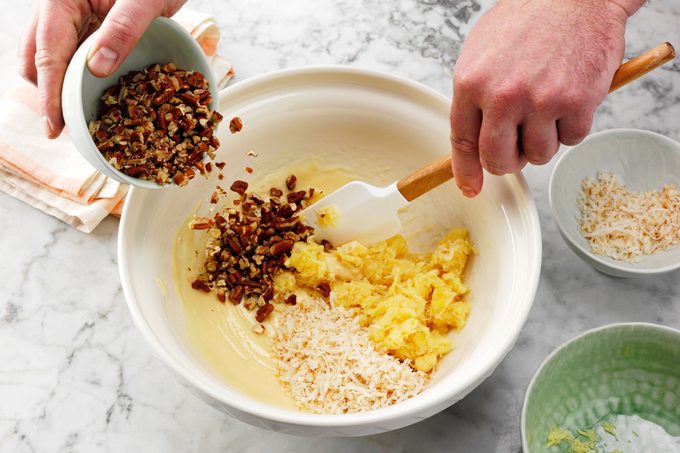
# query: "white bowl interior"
{"type": "Point", "coordinates": [163, 42]}
{"type": "Point", "coordinates": [643, 160]}
{"type": "Point", "coordinates": [380, 127]}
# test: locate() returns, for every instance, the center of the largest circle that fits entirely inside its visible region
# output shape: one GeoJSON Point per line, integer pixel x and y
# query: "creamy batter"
{"type": "Point", "coordinates": [223, 333]}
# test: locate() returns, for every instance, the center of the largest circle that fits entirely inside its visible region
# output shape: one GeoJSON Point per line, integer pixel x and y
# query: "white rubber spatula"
{"type": "Point", "coordinates": [369, 214]}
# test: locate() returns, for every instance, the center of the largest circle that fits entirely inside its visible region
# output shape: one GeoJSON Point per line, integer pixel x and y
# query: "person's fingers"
{"type": "Point", "coordinates": [26, 51]}
{"type": "Point", "coordinates": [573, 128]}
{"type": "Point", "coordinates": [90, 25]}
{"type": "Point", "coordinates": [539, 139]}
{"type": "Point", "coordinates": [56, 41]}
{"type": "Point", "coordinates": [466, 120]}
{"type": "Point", "coordinates": [498, 149]}
{"type": "Point", "coordinates": [120, 31]}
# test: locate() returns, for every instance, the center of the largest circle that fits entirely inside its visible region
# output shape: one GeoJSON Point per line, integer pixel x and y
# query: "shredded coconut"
{"type": "Point", "coordinates": [625, 224]}
{"type": "Point", "coordinates": [328, 364]}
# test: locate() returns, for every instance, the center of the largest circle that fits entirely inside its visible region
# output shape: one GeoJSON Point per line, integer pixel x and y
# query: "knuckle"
{"type": "Point", "coordinates": [466, 81]}
{"type": "Point", "coordinates": [123, 28]}
{"type": "Point", "coordinates": [509, 94]}
{"type": "Point", "coordinates": [538, 150]}
{"type": "Point", "coordinates": [465, 147]}
{"type": "Point", "coordinates": [575, 132]}
{"type": "Point", "coordinates": [572, 100]}
{"type": "Point", "coordinates": [465, 175]}
{"type": "Point", "coordinates": [44, 59]}
{"type": "Point", "coordinates": [546, 100]}
{"type": "Point", "coordinates": [573, 139]}
{"type": "Point", "coordinates": [540, 156]}
{"type": "Point", "coordinates": [495, 168]}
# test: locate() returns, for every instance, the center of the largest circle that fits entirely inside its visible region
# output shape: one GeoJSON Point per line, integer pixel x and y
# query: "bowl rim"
{"type": "Point", "coordinates": [82, 123]}
{"type": "Point", "coordinates": [558, 350]}
{"type": "Point", "coordinates": [489, 361]}
{"type": "Point", "coordinates": [605, 261]}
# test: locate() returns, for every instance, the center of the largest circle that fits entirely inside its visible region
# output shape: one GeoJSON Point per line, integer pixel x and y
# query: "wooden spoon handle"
{"type": "Point", "coordinates": [440, 171]}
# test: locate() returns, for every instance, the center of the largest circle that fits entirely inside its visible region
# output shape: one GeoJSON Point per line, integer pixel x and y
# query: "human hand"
{"type": "Point", "coordinates": [530, 77]}
{"type": "Point", "coordinates": [58, 26]}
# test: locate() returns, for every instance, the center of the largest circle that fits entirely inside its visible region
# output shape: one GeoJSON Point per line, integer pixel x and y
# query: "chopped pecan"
{"type": "Point", "coordinates": [202, 286]}
{"type": "Point", "coordinates": [264, 311]}
{"type": "Point", "coordinates": [201, 223]}
{"type": "Point", "coordinates": [281, 247]}
{"type": "Point", "coordinates": [294, 197]}
{"type": "Point", "coordinates": [327, 246]}
{"type": "Point", "coordinates": [151, 125]}
{"type": "Point", "coordinates": [235, 125]}
{"type": "Point", "coordinates": [324, 289]}
{"type": "Point", "coordinates": [248, 244]}
{"type": "Point", "coordinates": [236, 294]}
{"type": "Point", "coordinates": [239, 187]}
{"type": "Point", "coordinates": [291, 181]}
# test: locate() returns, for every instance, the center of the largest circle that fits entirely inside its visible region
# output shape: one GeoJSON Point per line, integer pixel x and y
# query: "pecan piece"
{"type": "Point", "coordinates": [263, 312]}
{"type": "Point", "coordinates": [291, 181]}
{"type": "Point", "coordinates": [236, 294]}
{"type": "Point", "coordinates": [201, 286]}
{"type": "Point", "coordinates": [281, 247]}
{"type": "Point", "coordinates": [239, 187]}
{"type": "Point", "coordinates": [294, 197]}
{"type": "Point", "coordinates": [235, 125]}
{"type": "Point", "coordinates": [201, 223]}
{"type": "Point", "coordinates": [324, 289]}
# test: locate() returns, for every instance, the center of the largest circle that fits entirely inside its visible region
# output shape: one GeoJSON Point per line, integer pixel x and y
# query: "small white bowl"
{"type": "Point", "coordinates": [380, 126]}
{"type": "Point", "coordinates": [164, 41]}
{"type": "Point", "coordinates": [643, 160]}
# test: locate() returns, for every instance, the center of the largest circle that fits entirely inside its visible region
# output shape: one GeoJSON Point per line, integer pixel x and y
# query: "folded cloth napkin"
{"type": "Point", "coordinates": [51, 175]}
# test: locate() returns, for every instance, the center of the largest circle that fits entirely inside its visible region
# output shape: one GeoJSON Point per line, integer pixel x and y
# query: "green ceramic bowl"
{"type": "Point", "coordinates": [619, 369]}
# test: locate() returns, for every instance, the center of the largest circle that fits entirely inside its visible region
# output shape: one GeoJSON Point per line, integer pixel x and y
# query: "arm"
{"type": "Point", "coordinates": [530, 77]}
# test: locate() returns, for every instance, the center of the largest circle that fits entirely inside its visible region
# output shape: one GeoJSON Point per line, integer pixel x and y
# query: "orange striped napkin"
{"type": "Point", "coordinates": [51, 175]}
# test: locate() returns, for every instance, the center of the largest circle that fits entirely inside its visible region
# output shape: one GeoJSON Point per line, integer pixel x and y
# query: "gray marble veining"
{"type": "Point", "coordinates": [75, 376]}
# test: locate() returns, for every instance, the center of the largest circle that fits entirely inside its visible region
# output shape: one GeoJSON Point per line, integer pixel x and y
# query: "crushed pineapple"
{"type": "Point", "coordinates": [408, 301]}
{"type": "Point", "coordinates": [562, 437]}
{"type": "Point", "coordinates": [328, 216]}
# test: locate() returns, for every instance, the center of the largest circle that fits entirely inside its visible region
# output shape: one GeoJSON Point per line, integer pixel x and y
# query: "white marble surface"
{"type": "Point", "coordinates": [75, 376]}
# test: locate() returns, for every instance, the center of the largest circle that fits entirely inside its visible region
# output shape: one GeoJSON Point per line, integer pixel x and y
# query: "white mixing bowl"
{"type": "Point", "coordinates": [382, 127]}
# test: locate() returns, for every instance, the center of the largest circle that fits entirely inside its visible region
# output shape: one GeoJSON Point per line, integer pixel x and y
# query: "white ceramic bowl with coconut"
{"type": "Point", "coordinates": [642, 161]}
{"type": "Point", "coordinates": [382, 127]}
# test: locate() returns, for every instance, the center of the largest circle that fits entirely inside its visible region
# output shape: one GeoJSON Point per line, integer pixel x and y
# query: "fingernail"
{"type": "Point", "coordinates": [102, 61]}
{"type": "Point", "coordinates": [49, 130]}
{"type": "Point", "coordinates": [468, 192]}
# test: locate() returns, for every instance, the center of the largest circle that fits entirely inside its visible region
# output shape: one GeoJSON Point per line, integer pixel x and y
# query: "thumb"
{"type": "Point", "coordinates": [119, 33]}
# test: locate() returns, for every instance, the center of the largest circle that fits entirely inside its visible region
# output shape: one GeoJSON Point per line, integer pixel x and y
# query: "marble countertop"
{"type": "Point", "coordinates": [75, 375]}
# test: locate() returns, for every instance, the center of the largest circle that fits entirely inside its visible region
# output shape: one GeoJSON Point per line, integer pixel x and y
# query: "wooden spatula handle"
{"type": "Point", "coordinates": [642, 64]}
{"type": "Point", "coordinates": [440, 171]}
{"type": "Point", "coordinates": [426, 179]}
